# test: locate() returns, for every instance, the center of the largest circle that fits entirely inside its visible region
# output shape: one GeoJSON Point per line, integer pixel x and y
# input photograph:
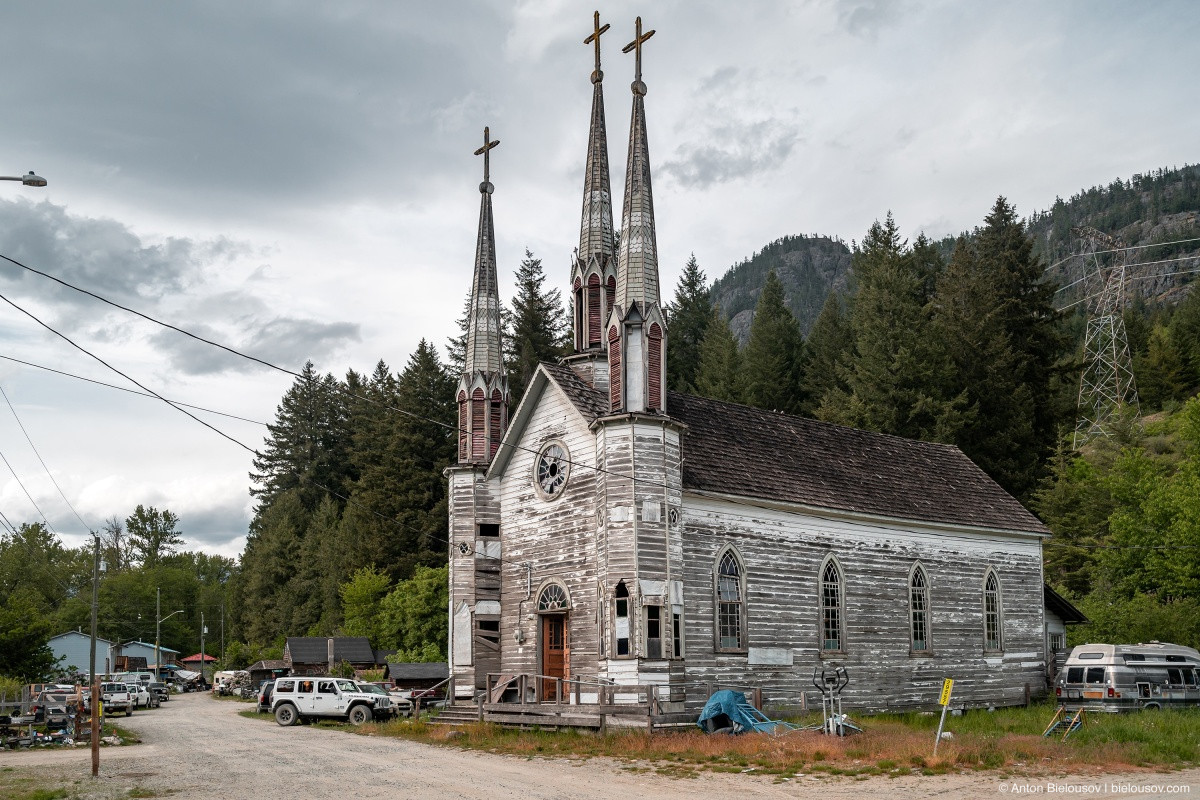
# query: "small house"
{"type": "Point", "coordinates": [319, 655]}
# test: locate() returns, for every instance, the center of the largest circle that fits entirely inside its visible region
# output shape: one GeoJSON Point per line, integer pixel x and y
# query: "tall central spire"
{"type": "Point", "coordinates": [637, 279]}
{"type": "Point", "coordinates": [596, 236]}
{"type": "Point", "coordinates": [637, 329]}
{"type": "Point", "coordinates": [483, 388]}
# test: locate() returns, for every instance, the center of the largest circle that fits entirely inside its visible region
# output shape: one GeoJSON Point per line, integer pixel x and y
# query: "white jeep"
{"type": "Point", "coordinates": [301, 699]}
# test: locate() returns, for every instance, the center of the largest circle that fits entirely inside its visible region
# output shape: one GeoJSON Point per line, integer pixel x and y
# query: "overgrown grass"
{"type": "Point", "coordinates": [896, 744]}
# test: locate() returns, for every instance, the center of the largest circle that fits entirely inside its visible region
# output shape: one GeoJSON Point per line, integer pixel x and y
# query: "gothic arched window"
{"type": "Point", "coordinates": [654, 358]}
{"type": "Point", "coordinates": [993, 613]}
{"type": "Point", "coordinates": [595, 323]}
{"type": "Point", "coordinates": [731, 603]}
{"type": "Point", "coordinates": [831, 606]}
{"type": "Point", "coordinates": [614, 369]}
{"type": "Point", "coordinates": [918, 610]}
{"type": "Point", "coordinates": [621, 615]}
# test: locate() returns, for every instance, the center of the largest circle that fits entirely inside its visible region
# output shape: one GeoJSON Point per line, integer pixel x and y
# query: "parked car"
{"type": "Point", "coordinates": [301, 699]}
{"type": "Point", "coordinates": [141, 695]}
{"type": "Point", "coordinates": [160, 691]}
{"type": "Point", "coordinates": [389, 709]}
{"type": "Point", "coordinates": [115, 697]}
{"type": "Point", "coordinates": [265, 691]}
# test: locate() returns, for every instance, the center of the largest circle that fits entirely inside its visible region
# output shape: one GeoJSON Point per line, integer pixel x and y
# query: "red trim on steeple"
{"type": "Point", "coordinates": [610, 293]}
{"type": "Point", "coordinates": [478, 424]}
{"type": "Point", "coordinates": [462, 427]}
{"type": "Point", "coordinates": [614, 369]}
{"type": "Point", "coordinates": [593, 310]}
{"type": "Point", "coordinates": [655, 367]}
{"type": "Point", "coordinates": [496, 429]}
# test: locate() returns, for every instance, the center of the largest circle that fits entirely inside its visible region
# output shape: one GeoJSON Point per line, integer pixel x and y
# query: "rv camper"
{"type": "Point", "coordinates": [1129, 677]}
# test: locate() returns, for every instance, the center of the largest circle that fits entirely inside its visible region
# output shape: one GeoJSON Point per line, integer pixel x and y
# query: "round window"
{"type": "Point", "coordinates": [553, 467]}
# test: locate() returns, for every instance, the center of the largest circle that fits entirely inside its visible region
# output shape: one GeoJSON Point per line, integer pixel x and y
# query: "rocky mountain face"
{"type": "Point", "coordinates": [810, 267]}
{"type": "Point", "coordinates": [1153, 212]}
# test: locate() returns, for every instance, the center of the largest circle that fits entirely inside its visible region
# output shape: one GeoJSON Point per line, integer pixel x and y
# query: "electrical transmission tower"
{"type": "Point", "coordinates": [1106, 387]}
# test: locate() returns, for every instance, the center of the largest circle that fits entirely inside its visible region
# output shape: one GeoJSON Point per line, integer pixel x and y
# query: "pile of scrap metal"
{"type": "Point", "coordinates": [729, 712]}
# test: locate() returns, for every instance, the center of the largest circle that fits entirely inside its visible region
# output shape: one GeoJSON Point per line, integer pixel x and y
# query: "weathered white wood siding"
{"type": "Point", "coordinates": [472, 501]}
{"type": "Point", "coordinates": [555, 538]}
{"type": "Point", "coordinates": [783, 552]}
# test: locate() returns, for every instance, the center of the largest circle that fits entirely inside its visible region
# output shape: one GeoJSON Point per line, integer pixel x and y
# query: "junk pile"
{"type": "Point", "coordinates": [729, 712]}
{"type": "Point", "coordinates": [830, 684]}
{"type": "Point", "coordinates": [234, 682]}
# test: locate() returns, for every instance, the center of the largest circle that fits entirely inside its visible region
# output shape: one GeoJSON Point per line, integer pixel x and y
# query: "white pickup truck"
{"type": "Point", "coordinates": [300, 699]}
{"type": "Point", "coordinates": [115, 697]}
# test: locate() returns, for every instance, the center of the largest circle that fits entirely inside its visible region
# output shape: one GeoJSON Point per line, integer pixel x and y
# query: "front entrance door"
{"type": "Point", "coordinates": [554, 653]}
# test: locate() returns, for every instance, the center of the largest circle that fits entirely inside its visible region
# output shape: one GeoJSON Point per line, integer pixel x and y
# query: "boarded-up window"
{"type": "Point", "coordinates": [614, 369]}
{"type": "Point", "coordinates": [654, 357]}
{"type": "Point", "coordinates": [462, 426]}
{"type": "Point", "coordinates": [478, 425]}
{"type": "Point", "coordinates": [610, 293]}
{"type": "Point", "coordinates": [918, 608]}
{"type": "Point", "coordinates": [992, 615]}
{"type": "Point", "coordinates": [831, 607]}
{"type": "Point", "coordinates": [580, 333]}
{"type": "Point", "coordinates": [496, 430]}
{"type": "Point", "coordinates": [731, 607]}
{"type": "Point", "coordinates": [595, 323]}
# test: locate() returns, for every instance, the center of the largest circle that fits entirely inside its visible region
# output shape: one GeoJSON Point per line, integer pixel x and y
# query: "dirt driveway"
{"type": "Point", "coordinates": [197, 747]}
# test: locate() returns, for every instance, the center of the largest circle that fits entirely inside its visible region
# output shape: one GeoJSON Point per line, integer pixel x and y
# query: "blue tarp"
{"type": "Point", "coordinates": [729, 709]}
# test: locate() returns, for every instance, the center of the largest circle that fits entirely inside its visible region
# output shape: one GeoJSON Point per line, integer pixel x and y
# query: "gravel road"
{"type": "Point", "coordinates": [197, 747]}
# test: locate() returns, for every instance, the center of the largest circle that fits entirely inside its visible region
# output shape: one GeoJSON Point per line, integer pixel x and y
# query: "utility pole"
{"type": "Point", "coordinates": [202, 631]}
{"type": "Point", "coordinates": [157, 632]}
{"type": "Point", "coordinates": [95, 704]}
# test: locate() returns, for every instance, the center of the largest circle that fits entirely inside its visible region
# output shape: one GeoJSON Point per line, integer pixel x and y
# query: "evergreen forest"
{"type": "Point", "coordinates": [975, 340]}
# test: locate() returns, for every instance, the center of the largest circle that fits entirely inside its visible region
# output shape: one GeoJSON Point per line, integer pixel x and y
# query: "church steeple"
{"type": "Point", "coordinates": [483, 387]}
{"type": "Point", "coordinates": [636, 329]}
{"type": "Point", "coordinates": [594, 274]}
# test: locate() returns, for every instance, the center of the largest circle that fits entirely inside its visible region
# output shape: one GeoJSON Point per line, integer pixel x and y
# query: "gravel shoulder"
{"type": "Point", "coordinates": [197, 747]}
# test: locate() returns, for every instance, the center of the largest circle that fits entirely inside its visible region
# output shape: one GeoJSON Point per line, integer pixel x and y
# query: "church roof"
{"type": "Point", "coordinates": [484, 351]}
{"type": "Point", "coordinates": [738, 450]}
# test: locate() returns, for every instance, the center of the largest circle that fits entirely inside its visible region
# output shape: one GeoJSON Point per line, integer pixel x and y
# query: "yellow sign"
{"type": "Point", "coordinates": [947, 685]}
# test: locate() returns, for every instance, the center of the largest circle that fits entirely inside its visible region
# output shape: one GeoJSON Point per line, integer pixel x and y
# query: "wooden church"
{"type": "Point", "coordinates": [610, 531]}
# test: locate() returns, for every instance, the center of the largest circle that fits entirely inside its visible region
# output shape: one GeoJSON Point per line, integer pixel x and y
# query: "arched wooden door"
{"type": "Point", "coordinates": [555, 649]}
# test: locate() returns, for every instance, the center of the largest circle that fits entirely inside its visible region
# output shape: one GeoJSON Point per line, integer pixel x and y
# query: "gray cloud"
{"type": "Point", "coordinates": [291, 341]}
{"type": "Point", "coordinates": [866, 18]}
{"type": "Point", "coordinates": [285, 341]}
{"type": "Point", "coordinates": [732, 151]}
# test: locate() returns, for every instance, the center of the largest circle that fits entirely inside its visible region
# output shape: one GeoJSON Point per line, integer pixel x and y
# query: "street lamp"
{"type": "Point", "coordinates": [158, 631]}
{"type": "Point", "coordinates": [28, 180]}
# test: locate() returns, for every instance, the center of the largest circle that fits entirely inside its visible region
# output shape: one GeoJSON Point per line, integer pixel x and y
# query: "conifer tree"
{"type": "Point", "coordinates": [828, 347]}
{"type": "Point", "coordinates": [307, 446]}
{"type": "Point", "coordinates": [1161, 373]}
{"type": "Point", "coordinates": [538, 326]}
{"type": "Point", "coordinates": [774, 357]}
{"type": "Point", "coordinates": [690, 313]}
{"type": "Point", "coordinates": [896, 380]}
{"type": "Point", "coordinates": [719, 374]}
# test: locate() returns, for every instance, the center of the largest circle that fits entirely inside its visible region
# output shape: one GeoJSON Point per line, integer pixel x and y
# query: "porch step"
{"type": "Point", "coordinates": [456, 715]}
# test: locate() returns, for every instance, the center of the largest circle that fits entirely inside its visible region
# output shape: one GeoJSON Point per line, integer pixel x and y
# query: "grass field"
{"type": "Point", "coordinates": [1006, 740]}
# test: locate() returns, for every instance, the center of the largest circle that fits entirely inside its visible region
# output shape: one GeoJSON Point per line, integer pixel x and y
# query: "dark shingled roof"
{"type": "Point", "coordinates": [590, 402]}
{"type": "Point", "coordinates": [739, 450]}
{"type": "Point", "coordinates": [1064, 608]}
{"type": "Point", "coordinates": [315, 649]}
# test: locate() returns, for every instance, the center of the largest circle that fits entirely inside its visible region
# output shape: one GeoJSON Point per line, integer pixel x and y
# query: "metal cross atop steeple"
{"type": "Point", "coordinates": [595, 39]}
{"type": "Point", "coordinates": [636, 46]}
{"type": "Point", "coordinates": [483, 151]}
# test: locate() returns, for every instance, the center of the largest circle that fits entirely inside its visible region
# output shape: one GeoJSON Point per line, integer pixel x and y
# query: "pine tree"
{"type": "Point", "coordinates": [829, 346]}
{"type": "Point", "coordinates": [1161, 372]}
{"type": "Point", "coordinates": [690, 313]}
{"type": "Point", "coordinates": [307, 446]}
{"type": "Point", "coordinates": [538, 326]}
{"type": "Point", "coordinates": [896, 380]}
{"type": "Point", "coordinates": [719, 374]}
{"type": "Point", "coordinates": [152, 535]}
{"type": "Point", "coordinates": [1010, 375]}
{"type": "Point", "coordinates": [774, 357]}
{"type": "Point", "coordinates": [456, 347]}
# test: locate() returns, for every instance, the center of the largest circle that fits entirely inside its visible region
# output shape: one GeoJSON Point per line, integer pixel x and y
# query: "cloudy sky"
{"type": "Point", "coordinates": [296, 180]}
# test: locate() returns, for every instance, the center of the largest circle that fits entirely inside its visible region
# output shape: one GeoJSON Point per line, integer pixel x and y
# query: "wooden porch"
{"type": "Point", "coordinates": [530, 700]}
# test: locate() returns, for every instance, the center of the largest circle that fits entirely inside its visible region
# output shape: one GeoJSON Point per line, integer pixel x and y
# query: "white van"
{"type": "Point", "coordinates": [1129, 677]}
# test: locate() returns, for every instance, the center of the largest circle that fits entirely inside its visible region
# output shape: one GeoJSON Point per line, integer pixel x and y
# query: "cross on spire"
{"type": "Point", "coordinates": [483, 151]}
{"type": "Point", "coordinates": [636, 46]}
{"type": "Point", "coordinates": [595, 38]}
